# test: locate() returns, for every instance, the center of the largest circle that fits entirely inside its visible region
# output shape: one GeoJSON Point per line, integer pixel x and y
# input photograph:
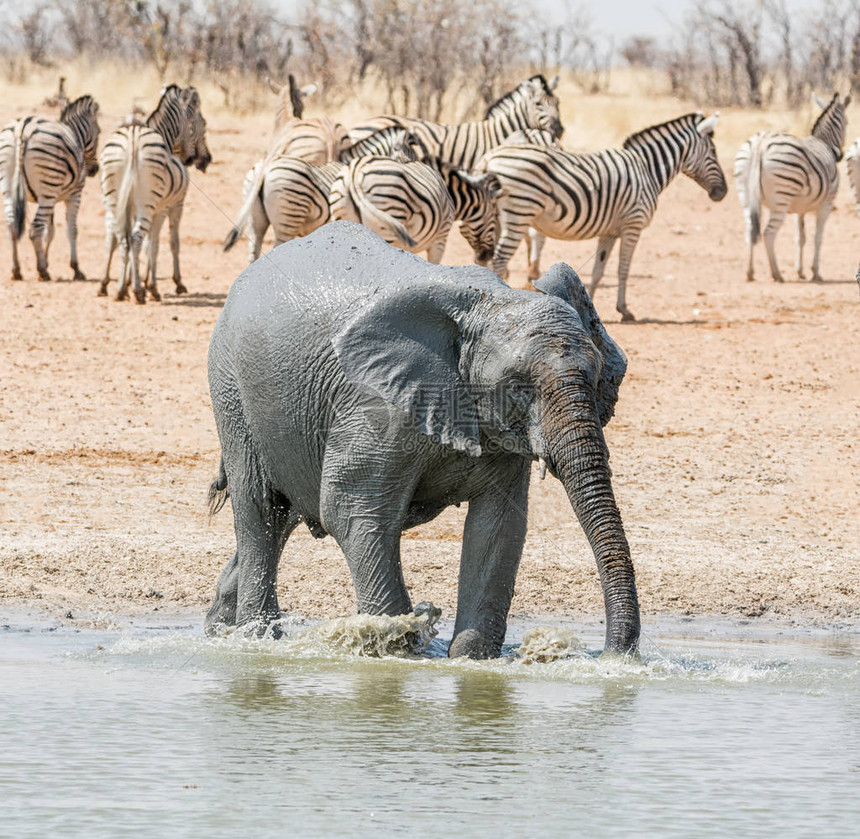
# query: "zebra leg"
{"type": "Point", "coordinates": [820, 221]}
{"type": "Point", "coordinates": [773, 224]}
{"type": "Point", "coordinates": [72, 207]}
{"type": "Point", "coordinates": [13, 242]}
{"type": "Point", "coordinates": [258, 224]}
{"type": "Point", "coordinates": [629, 240]}
{"type": "Point", "coordinates": [137, 237]}
{"type": "Point", "coordinates": [151, 279]}
{"type": "Point", "coordinates": [110, 243]}
{"type": "Point", "coordinates": [534, 242]}
{"type": "Point", "coordinates": [174, 216]}
{"type": "Point", "coordinates": [750, 267]}
{"type": "Point", "coordinates": [801, 241]}
{"type": "Point", "coordinates": [512, 232]}
{"type": "Point", "coordinates": [437, 250]}
{"type": "Point", "coordinates": [604, 248]}
{"type": "Point", "coordinates": [41, 232]}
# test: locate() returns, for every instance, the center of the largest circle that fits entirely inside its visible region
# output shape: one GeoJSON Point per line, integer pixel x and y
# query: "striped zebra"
{"type": "Point", "coordinates": [293, 195]}
{"type": "Point", "coordinates": [532, 104]}
{"type": "Point", "coordinates": [791, 175]}
{"type": "Point", "coordinates": [317, 140]}
{"type": "Point", "coordinates": [404, 201]}
{"type": "Point", "coordinates": [413, 204]}
{"type": "Point", "coordinates": [45, 161]}
{"type": "Point", "coordinates": [610, 194]}
{"type": "Point", "coordinates": [144, 181]}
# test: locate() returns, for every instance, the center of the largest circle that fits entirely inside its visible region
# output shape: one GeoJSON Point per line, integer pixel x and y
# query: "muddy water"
{"type": "Point", "coordinates": [151, 730]}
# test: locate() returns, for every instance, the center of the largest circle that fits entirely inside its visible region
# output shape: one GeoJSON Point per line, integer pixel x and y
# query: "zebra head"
{"type": "Point", "coordinates": [82, 117]}
{"type": "Point", "coordinates": [701, 163]}
{"type": "Point", "coordinates": [192, 140]}
{"type": "Point", "coordinates": [475, 197]}
{"type": "Point", "coordinates": [830, 125]}
{"type": "Point", "coordinates": [532, 104]}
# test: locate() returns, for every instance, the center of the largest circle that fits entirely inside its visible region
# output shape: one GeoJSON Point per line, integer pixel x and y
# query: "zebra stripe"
{"type": "Point", "coordinates": [45, 161]}
{"type": "Point", "coordinates": [532, 104]}
{"type": "Point", "coordinates": [791, 175]}
{"type": "Point", "coordinates": [405, 202]}
{"type": "Point", "coordinates": [143, 181]}
{"type": "Point", "coordinates": [610, 194]}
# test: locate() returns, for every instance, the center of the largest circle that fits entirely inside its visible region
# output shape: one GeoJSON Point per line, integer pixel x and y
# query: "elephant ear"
{"type": "Point", "coordinates": [562, 281]}
{"type": "Point", "coordinates": [404, 347]}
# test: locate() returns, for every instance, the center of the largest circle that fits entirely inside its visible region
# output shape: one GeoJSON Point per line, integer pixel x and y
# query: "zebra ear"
{"type": "Point", "coordinates": [553, 82]}
{"type": "Point", "coordinates": [847, 100]}
{"type": "Point", "coordinates": [817, 100]}
{"type": "Point", "coordinates": [707, 126]}
{"type": "Point", "coordinates": [308, 90]}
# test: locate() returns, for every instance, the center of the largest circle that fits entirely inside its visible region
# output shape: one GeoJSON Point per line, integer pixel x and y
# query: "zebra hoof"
{"type": "Point", "coordinates": [180, 289]}
{"type": "Point", "coordinates": [140, 296]}
{"type": "Point", "coordinates": [79, 275]}
{"type": "Point", "coordinates": [102, 292]}
{"type": "Point", "coordinates": [155, 294]}
{"type": "Point", "coordinates": [121, 297]}
{"type": "Point", "coordinates": [16, 274]}
{"type": "Point", "coordinates": [628, 317]}
{"type": "Point", "coordinates": [44, 277]}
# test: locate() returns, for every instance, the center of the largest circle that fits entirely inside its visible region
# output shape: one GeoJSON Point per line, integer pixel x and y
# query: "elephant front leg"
{"type": "Point", "coordinates": [492, 545]}
{"type": "Point", "coordinates": [367, 527]}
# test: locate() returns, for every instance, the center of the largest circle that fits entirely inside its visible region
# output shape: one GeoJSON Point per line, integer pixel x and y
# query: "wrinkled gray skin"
{"type": "Point", "coordinates": [362, 390]}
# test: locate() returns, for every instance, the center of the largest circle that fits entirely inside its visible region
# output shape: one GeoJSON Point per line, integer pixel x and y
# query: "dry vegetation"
{"type": "Point", "coordinates": [734, 447]}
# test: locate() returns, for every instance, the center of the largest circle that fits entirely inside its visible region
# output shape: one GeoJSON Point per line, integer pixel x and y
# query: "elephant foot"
{"type": "Point", "coordinates": [180, 288]}
{"type": "Point", "coordinates": [472, 644]}
{"type": "Point", "coordinates": [417, 641]}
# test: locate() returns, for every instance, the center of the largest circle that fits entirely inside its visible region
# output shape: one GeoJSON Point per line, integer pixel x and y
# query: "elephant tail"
{"type": "Point", "coordinates": [219, 492]}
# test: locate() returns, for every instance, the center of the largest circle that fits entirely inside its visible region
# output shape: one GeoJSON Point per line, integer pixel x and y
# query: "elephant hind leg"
{"type": "Point", "coordinates": [246, 595]}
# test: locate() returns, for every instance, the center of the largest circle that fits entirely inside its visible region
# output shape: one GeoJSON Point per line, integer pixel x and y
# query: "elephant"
{"type": "Point", "coordinates": [362, 390]}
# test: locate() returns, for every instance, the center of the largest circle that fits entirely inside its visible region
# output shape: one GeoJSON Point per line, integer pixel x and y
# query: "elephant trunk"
{"type": "Point", "coordinates": [578, 454]}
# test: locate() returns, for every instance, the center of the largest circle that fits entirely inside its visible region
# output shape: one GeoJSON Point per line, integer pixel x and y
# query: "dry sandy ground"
{"type": "Point", "coordinates": [734, 447]}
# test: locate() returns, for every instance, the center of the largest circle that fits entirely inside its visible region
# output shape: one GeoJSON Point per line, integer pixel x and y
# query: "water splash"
{"type": "Point", "coordinates": [543, 644]}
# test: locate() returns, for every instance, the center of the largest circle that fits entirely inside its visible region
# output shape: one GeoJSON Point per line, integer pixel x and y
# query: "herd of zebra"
{"type": "Point", "coordinates": [504, 179]}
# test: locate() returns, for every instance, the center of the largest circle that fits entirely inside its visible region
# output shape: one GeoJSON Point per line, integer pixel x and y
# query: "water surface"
{"type": "Point", "coordinates": [153, 730]}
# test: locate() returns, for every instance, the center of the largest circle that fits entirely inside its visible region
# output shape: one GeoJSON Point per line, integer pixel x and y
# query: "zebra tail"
{"type": "Point", "coordinates": [19, 189]}
{"type": "Point", "coordinates": [126, 194]}
{"type": "Point", "coordinates": [754, 191]}
{"type": "Point", "coordinates": [219, 492]}
{"type": "Point", "coordinates": [366, 207]}
{"type": "Point", "coordinates": [245, 213]}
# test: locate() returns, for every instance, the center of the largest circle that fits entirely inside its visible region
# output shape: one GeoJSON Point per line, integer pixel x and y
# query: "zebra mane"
{"type": "Point", "coordinates": [645, 133]}
{"type": "Point", "coordinates": [79, 106]}
{"type": "Point", "coordinates": [511, 94]}
{"type": "Point", "coordinates": [826, 113]}
{"type": "Point", "coordinates": [171, 91]}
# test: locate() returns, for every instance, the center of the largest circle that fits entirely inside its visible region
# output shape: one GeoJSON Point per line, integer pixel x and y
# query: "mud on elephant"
{"type": "Point", "coordinates": [362, 390]}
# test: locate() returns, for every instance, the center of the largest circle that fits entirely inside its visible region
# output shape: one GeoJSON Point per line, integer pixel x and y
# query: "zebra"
{"type": "Point", "coordinates": [45, 161]}
{"type": "Point", "coordinates": [293, 195]}
{"type": "Point", "coordinates": [143, 181]}
{"type": "Point", "coordinates": [532, 104]}
{"type": "Point", "coordinates": [414, 204]}
{"type": "Point", "coordinates": [791, 175]}
{"type": "Point", "coordinates": [852, 164]}
{"type": "Point", "coordinates": [610, 194]}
